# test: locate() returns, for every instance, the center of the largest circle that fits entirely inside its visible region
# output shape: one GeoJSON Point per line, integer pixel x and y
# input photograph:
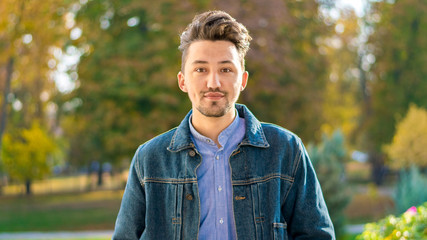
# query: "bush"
{"type": "Point", "coordinates": [411, 189]}
{"type": "Point", "coordinates": [410, 225]}
{"type": "Point", "coordinates": [328, 159]}
{"type": "Point", "coordinates": [409, 143]}
{"type": "Point", "coordinates": [29, 154]}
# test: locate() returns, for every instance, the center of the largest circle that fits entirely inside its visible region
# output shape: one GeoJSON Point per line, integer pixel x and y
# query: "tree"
{"type": "Point", "coordinates": [288, 74]}
{"type": "Point", "coordinates": [341, 105]}
{"type": "Point", "coordinates": [126, 77]}
{"type": "Point", "coordinates": [28, 31]}
{"type": "Point", "coordinates": [397, 77]}
{"type": "Point", "coordinates": [328, 159]}
{"type": "Point", "coordinates": [29, 154]}
{"type": "Point", "coordinates": [409, 143]}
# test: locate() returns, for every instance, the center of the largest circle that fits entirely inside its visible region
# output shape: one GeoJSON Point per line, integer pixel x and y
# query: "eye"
{"type": "Point", "coordinates": [200, 70]}
{"type": "Point", "coordinates": [226, 70]}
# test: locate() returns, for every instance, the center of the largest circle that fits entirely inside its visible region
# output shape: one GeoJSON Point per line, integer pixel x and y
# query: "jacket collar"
{"type": "Point", "coordinates": [254, 135]}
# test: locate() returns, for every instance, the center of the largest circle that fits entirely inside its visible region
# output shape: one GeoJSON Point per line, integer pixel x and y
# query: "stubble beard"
{"type": "Point", "coordinates": [214, 109]}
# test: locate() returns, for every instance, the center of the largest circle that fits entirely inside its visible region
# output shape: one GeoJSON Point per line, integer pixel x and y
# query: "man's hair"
{"type": "Point", "coordinates": [215, 25]}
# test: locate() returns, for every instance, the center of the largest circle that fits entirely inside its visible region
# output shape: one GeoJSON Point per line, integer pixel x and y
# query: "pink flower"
{"type": "Point", "coordinates": [412, 211]}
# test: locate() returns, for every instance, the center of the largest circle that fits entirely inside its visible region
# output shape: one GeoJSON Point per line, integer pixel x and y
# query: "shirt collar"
{"type": "Point", "coordinates": [222, 137]}
{"type": "Point", "coordinates": [254, 134]}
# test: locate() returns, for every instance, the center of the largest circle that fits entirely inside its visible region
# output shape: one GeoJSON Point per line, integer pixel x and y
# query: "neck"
{"type": "Point", "coordinates": [211, 127]}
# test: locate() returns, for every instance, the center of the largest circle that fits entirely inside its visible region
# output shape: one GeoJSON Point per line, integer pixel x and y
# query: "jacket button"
{"type": "Point", "coordinates": [192, 153]}
{"type": "Point", "coordinates": [189, 197]}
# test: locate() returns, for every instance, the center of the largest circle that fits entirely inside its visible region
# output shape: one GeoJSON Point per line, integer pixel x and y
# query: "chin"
{"type": "Point", "coordinates": [214, 111]}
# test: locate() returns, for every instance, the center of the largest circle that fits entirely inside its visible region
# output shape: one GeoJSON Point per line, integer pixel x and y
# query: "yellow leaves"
{"type": "Point", "coordinates": [409, 143]}
{"type": "Point", "coordinates": [340, 109]}
{"type": "Point", "coordinates": [28, 154]}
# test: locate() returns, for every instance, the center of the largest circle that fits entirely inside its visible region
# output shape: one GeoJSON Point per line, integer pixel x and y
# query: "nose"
{"type": "Point", "coordinates": [213, 81]}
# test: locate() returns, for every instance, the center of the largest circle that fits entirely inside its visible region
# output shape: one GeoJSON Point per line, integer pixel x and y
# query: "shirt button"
{"type": "Point", "coordinates": [221, 221]}
{"type": "Point", "coordinates": [220, 188]}
{"type": "Point", "coordinates": [217, 157]}
{"type": "Point", "coordinates": [192, 153]}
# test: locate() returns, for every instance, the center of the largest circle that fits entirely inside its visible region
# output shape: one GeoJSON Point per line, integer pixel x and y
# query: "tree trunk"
{"type": "Point", "coordinates": [3, 119]}
{"type": "Point", "coordinates": [100, 180]}
{"type": "Point", "coordinates": [28, 187]}
{"type": "Point", "coordinates": [376, 159]}
{"type": "Point", "coordinates": [378, 170]}
{"type": "Point", "coordinates": [364, 89]}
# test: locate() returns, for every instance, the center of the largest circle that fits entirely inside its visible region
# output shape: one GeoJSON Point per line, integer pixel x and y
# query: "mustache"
{"type": "Point", "coordinates": [211, 90]}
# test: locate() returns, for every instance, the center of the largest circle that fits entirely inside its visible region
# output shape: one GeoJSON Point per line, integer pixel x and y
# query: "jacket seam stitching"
{"type": "Point", "coordinates": [137, 169]}
{"type": "Point", "coordinates": [262, 179]}
{"type": "Point", "coordinates": [297, 159]}
{"type": "Point", "coordinates": [173, 181]}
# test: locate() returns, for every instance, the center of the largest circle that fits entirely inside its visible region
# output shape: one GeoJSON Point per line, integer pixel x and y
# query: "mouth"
{"type": "Point", "coordinates": [214, 96]}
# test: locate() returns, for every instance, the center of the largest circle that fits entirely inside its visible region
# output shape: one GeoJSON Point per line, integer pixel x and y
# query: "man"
{"type": "Point", "coordinates": [221, 174]}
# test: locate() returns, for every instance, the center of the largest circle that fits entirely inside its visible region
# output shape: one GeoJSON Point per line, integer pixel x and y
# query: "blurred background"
{"type": "Point", "coordinates": [85, 82]}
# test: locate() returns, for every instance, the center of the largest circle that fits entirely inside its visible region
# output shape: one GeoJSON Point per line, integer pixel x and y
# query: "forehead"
{"type": "Point", "coordinates": [207, 50]}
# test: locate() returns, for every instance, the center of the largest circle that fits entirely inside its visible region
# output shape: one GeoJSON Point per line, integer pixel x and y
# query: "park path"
{"type": "Point", "coordinates": [55, 235]}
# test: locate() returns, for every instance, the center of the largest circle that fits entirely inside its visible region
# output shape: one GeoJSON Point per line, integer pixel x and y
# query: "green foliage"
{"type": "Point", "coordinates": [328, 159]}
{"type": "Point", "coordinates": [397, 78]}
{"type": "Point", "coordinates": [409, 143]}
{"type": "Point", "coordinates": [287, 72]}
{"type": "Point", "coordinates": [410, 225]}
{"type": "Point", "coordinates": [128, 89]}
{"type": "Point", "coordinates": [411, 189]}
{"type": "Point", "coordinates": [341, 103]}
{"type": "Point", "coordinates": [29, 32]}
{"type": "Point", "coordinates": [29, 154]}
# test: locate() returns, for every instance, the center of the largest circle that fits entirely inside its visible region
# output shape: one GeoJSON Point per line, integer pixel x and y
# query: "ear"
{"type": "Point", "coordinates": [181, 82]}
{"type": "Point", "coordinates": [245, 77]}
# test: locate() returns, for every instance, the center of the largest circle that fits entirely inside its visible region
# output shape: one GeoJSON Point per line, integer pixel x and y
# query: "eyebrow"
{"type": "Point", "coordinates": [204, 62]}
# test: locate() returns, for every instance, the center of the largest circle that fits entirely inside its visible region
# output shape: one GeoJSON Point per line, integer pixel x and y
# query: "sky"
{"type": "Point", "coordinates": [356, 4]}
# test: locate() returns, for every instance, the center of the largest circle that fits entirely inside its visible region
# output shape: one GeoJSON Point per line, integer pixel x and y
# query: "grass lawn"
{"type": "Point", "coordinates": [60, 212]}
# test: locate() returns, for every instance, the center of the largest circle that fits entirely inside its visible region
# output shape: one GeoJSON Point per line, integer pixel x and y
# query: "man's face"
{"type": "Point", "coordinates": [213, 77]}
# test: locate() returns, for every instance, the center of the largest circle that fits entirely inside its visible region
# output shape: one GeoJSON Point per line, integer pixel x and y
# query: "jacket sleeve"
{"type": "Point", "coordinates": [310, 218]}
{"type": "Point", "coordinates": [130, 222]}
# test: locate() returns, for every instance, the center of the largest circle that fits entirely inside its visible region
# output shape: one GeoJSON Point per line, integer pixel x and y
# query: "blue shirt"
{"type": "Point", "coordinates": [214, 180]}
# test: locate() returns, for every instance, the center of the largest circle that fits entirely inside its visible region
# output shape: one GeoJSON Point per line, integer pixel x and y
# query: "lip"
{"type": "Point", "coordinates": [213, 95]}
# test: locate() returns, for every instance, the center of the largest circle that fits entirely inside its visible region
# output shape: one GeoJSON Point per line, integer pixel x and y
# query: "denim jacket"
{"type": "Point", "coordinates": [276, 194]}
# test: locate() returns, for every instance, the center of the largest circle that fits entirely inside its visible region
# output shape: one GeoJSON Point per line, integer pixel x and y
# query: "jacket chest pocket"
{"type": "Point", "coordinates": [258, 209]}
{"type": "Point", "coordinates": [173, 209]}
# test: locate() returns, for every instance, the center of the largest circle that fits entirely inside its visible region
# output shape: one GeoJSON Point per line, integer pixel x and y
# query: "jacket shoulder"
{"type": "Point", "coordinates": [276, 133]}
{"type": "Point", "coordinates": [159, 142]}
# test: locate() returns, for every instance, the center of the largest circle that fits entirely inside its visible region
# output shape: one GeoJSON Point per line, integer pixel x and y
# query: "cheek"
{"type": "Point", "coordinates": [195, 85]}
{"type": "Point", "coordinates": [237, 85]}
{"type": "Point", "coordinates": [191, 91]}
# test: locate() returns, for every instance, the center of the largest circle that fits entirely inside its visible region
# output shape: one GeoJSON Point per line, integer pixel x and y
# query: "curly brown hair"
{"type": "Point", "coordinates": [215, 25]}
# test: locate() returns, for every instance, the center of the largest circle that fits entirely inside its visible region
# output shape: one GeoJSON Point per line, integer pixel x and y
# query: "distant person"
{"type": "Point", "coordinates": [221, 174]}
